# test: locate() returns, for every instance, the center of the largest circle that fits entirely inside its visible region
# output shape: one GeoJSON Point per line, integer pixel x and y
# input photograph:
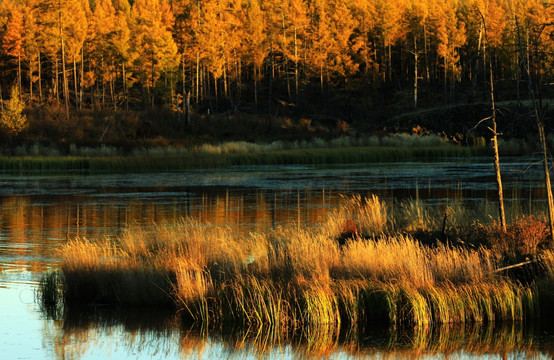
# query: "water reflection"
{"type": "Point", "coordinates": [32, 228]}
{"type": "Point", "coordinates": [39, 213]}
{"type": "Point", "coordinates": [155, 333]}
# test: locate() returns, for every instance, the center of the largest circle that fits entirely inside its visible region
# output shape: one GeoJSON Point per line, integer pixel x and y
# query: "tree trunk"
{"type": "Point", "coordinates": [75, 83]}
{"type": "Point", "coordinates": [82, 78]}
{"type": "Point", "coordinates": [296, 66]}
{"type": "Point", "coordinates": [216, 95]}
{"type": "Point", "coordinates": [125, 96]}
{"type": "Point", "coordinates": [112, 93]}
{"type": "Point", "coordinates": [426, 53]}
{"type": "Point", "coordinates": [239, 81]}
{"type": "Point", "coordinates": [187, 108]}
{"type": "Point", "coordinates": [497, 158]}
{"type": "Point", "coordinates": [183, 78]}
{"type": "Point", "coordinates": [103, 85]}
{"type": "Point", "coordinates": [65, 83]}
{"type": "Point", "coordinates": [30, 80]}
{"type": "Point", "coordinates": [19, 73]}
{"type": "Point", "coordinates": [542, 136]}
{"type": "Point", "coordinates": [271, 69]}
{"type": "Point", "coordinates": [495, 136]}
{"type": "Point", "coordinates": [518, 79]}
{"type": "Point", "coordinates": [197, 76]}
{"type": "Point", "coordinates": [255, 86]}
{"type": "Point", "coordinates": [445, 82]}
{"type": "Point", "coordinates": [415, 72]}
{"type": "Point", "coordinates": [56, 80]}
{"type": "Point", "coordinates": [390, 63]}
{"type": "Point", "coordinates": [225, 90]}
{"type": "Point", "coordinates": [152, 85]}
{"type": "Point", "coordinates": [476, 67]}
{"type": "Point", "coordinates": [39, 78]}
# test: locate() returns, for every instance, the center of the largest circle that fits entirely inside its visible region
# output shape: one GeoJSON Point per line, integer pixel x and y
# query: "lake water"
{"type": "Point", "coordinates": [40, 212]}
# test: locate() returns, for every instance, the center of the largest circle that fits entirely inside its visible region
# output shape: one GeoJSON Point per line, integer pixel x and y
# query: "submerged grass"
{"type": "Point", "coordinates": [301, 279]}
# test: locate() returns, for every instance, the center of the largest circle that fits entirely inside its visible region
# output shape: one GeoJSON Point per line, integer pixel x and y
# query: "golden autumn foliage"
{"type": "Point", "coordinates": [99, 54]}
{"type": "Point", "coordinates": [12, 119]}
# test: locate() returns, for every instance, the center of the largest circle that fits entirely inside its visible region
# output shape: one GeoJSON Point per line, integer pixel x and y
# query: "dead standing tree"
{"type": "Point", "coordinates": [494, 130]}
{"type": "Point", "coordinates": [538, 115]}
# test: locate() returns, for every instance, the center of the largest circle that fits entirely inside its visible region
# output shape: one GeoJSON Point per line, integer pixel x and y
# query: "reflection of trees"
{"type": "Point", "coordinates": [15, 218]}
{"type": "Point", "coordinates": [34, 226]}
{"type": "Point", "coordinates": [159, 331]}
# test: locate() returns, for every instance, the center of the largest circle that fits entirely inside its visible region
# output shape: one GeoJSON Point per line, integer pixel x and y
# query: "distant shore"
{"type": "Point", "coordinates": [402, 147]}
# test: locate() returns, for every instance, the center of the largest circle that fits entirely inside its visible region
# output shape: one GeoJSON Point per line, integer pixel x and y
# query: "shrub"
{"type": "Point", "coordinates": [12, 119]}
{"type": "Point", "coordinates": [522, 238]}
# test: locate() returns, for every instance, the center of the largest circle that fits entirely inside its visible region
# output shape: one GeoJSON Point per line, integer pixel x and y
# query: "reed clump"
{"type": "Point", "coordinates": [301, 279]}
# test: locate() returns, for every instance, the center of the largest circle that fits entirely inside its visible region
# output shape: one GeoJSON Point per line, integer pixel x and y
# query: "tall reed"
{"type": "Point", "coordinates": [298, 279]}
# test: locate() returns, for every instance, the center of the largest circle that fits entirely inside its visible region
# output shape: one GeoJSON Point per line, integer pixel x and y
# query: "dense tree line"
{"type": "Point", "coordinates": [118, 54]}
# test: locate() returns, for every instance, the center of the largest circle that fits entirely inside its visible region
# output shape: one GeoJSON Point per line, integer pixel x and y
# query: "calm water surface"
{"type": "Point", "coordinates": [39, 213]}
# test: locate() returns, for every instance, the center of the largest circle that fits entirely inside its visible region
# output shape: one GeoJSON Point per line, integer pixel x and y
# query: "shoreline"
{"type": "Point", "coordinates": [197, 159]}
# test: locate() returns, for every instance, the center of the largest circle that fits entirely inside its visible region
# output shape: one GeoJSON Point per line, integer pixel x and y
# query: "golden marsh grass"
{"type": "Point", "coordinates": [300, 279]}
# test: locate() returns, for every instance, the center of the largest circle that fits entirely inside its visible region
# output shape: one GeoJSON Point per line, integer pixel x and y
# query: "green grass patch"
{"type": "Point", "coordinates": [159, 161]}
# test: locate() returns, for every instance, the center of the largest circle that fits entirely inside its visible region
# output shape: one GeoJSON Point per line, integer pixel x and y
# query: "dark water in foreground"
{"type": "Point", "coordinates": [39, 213]}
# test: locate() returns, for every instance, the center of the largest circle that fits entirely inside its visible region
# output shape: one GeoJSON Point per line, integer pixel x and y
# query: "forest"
{"type": "Point", "coordinates": [64, 62]}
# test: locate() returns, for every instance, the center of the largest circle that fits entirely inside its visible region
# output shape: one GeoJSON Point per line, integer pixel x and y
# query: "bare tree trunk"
{"type": "Point", "coordinates": [425, 44]}
{"type": "Point", "coordinates": [124, 75]}
{"type": "Point", "coordinates": [296, 66]}
{"type": "Point", "coordinates": [542, 136]}
{"type": "Point", "coordinates": [112, 92]}
{"type": "Point", "coordinates": [56, 81]}
{"type": "Point", "coordinates": [445, 82]}
{"type": "Point", "coordinates": [152, 85]}
{"type": "Point", "coordinates": [495, 137]}
{"type": "Point", "coordinates": [187, 108]}
{"type": "Point", "coordinates": [39, 78]}
{"type": "Point", "coordinates": [415, 72]}
{"type": "Point", "coordinates": [184, 90]}
{"type": "Point", "coordinates": [75, 83]}
{"type": "Point", "coordinates": [225, 90]}
{"type": "Point", "coordinates": [255, 85]}
{"type": "Point", "coordinates": [239, 81]}
{"type": "Point", "coordinates": [30, 80]}
{"type": "Point", "coordinates": [476, 68]}
{"type": "Point", "coordinates": [103, 85]}
{"type": "Point", "coordinates": [65, 84]}
{"type": "Point", "coordinates": [82, 79]}
{"type": "Point", "coordinates": [497, 158]}
{"type": "Point", "coordinates": [271, 69]}
{"type": "Point", "coordinates": [216, 94]}
{"type": "Point", "coordinates": [19, 73]}
{"type": "Point", "coordinates": [197, 76]}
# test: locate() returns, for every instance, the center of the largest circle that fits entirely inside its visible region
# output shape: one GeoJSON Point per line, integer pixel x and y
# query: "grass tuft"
{"type": "Point", "coordinates": [303, 279]}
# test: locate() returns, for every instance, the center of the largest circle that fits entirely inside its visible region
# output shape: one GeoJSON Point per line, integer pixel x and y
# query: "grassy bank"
{"type": "Point", "coordinates": [368, 263]}
{"type": "Point", "coordinates": [340, 150]}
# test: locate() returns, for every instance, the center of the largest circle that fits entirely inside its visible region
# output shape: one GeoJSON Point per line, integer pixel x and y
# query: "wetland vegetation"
{"type": "Point", "coordinates": [401, 147]}
{"type": "Point", "coordinates": [407, 264]}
